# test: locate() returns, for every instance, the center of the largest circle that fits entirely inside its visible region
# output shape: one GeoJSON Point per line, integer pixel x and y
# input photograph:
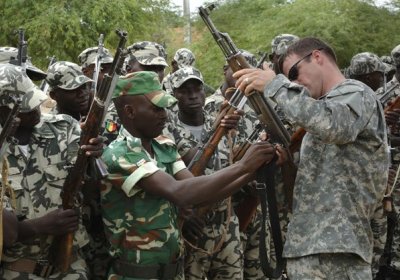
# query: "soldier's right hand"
{"type": "Point", "coordinates": [392, 117]}
{"type": "Point", "coordinates": [59, 222]}
{"type": "Point", "coordinates": [259, 153]}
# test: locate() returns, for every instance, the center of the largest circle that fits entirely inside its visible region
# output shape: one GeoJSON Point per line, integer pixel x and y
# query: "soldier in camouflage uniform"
{"type": "Point", "coordinates": [192, 123]}
{"type": "Point", "coordinates": [143, 56]}
{"type": "Point", "coordinates": [148, 181]}
{"type": "Point", "coordinates": [368, 68]}
{"type": "Point", "coordinates": [96, 252]}
{"type": "Point", "coordinates": [393, 120]}
{"type": "Point", "coordinates": [47, 145]}
{"type": "Point", "coordinates": [87, 60]}
{"type": "Point", "coordinates": [182, 58]}
{"type": "Point", "coordinates": [70, 88]}
{"type": "Point", "coordinates": [343, 165]}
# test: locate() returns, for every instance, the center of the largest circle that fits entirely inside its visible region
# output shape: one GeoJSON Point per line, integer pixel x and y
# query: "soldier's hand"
{"type": "Point", "coordinates": [282, 155]}
{"type": "Point", "coordinates": [259, 153]}
{"type": "Point", "coordinates": [392, 117]}
{"type": "Point", "coordinates": [95, 147]}
{"type": "Point", "coordinates": [231, 121]}
{"type": "Point", "coordinates": [192, 226]}
{"type": "Point", "coordinates": [251, 79]}
{"type": "Point", "coordinates": [58, 222]}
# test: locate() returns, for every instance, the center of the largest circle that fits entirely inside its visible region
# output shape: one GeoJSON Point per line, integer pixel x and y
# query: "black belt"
{"type": "Point", "coordinates": [160, 271]}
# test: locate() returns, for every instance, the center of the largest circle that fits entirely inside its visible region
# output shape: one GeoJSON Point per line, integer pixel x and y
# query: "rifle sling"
{"type": "Point", "coordinates": [266, 191]}
{"type": "Point", "coordinates": [385, 267]}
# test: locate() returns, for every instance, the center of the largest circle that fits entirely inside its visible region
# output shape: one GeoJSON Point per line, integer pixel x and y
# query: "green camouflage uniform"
{"type": "Point", "coordinates": [227, 262]}
{"type": "Point", "coordinates": [342, 172]}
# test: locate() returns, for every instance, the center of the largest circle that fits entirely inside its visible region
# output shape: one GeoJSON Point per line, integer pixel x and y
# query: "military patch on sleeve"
{"type": "Point", "coordinates": [111, 126]}
{"type": "Point", "coordinates": [141, 162]}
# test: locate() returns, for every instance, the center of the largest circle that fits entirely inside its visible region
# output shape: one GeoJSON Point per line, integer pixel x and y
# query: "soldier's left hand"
{"type": "Point", "coordinates": [231, 121]}
{"type": "Point", "coordinates": [95, 147]}
{"type": "Point", "coordinates": [282, 155]}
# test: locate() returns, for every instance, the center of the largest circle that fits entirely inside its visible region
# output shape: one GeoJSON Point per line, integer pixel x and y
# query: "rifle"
{"type": "Point", "coordinates": [387, 94]}
{"type": "Point", "coordinates": [90, 129]}
{"type": "Point", "coordinates": [246, 209]}
{"type": "Point", "coordinates": [97, 64]}
{"type": "Point", "coordinates": [22, 50]}
{"type": "Point", "coordinates": [274, 127]}
{"type": "Point", "coordinates": [44, 86]}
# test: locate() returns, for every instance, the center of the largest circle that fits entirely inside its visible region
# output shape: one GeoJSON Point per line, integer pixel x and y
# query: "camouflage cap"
{"type": "Point", "coordinates": [144, 83]}
{"type": "Point", "coordinates": [184, 57]}
{"type": "Point", "coordinates": [183, 74]}
{"type": "Point", "coordinates": [365, 63]}
{"type": "Point", "coordinates": [66, 75]}
{"type": "Point", "coordinates": [8, 54]}
{"type": "Point", "coordinates": [396, 55]}
{"type": "Point", "coordinates": [281, 42]}
{"type": "Point", "coordinates": [148, 53]}
{"type": "Point", "coordinates": [88, 57]}
{"type": "Point", "coordinates": [15, 84]}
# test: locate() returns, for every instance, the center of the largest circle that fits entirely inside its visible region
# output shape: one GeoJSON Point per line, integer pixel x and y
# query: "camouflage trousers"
{"type": "Point", "coordinates": [113, 276]}
{"type": "Point", "coordinates": [224, 264]}
{"type": "Point", "coordinates": [78, 271]}
{"type": "Point", "coordinates": [338, 266]}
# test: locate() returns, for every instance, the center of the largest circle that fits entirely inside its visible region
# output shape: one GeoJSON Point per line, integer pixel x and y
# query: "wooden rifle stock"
{"type": "Point", "coordinates": [394, 105]}
{"type": "Point", "coordinates": [90, 129]}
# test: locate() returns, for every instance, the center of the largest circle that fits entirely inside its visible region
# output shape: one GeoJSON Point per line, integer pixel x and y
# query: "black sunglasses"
{"type": "Point", "coordinates": [293, 73]}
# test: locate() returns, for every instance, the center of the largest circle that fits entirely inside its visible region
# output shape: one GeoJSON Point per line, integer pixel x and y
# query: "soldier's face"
{"type": "Point", "coordinates": [26, 119]}
{"type": "Point", "coordinates": [308, 73]}
{"type": "Point", "coordinates": [191, 96]}
{"type": "Point", "coordinates": [136, 66]}
{"type": "Point", "coordinates": [77, 100]}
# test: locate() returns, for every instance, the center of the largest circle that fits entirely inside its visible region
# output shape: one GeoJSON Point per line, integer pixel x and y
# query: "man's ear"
{"type": "Point", "coordinates": [129, 111]}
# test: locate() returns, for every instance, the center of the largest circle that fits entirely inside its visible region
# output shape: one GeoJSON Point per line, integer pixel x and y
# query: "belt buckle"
{"type": "Point", "coordinates": [43, 268]}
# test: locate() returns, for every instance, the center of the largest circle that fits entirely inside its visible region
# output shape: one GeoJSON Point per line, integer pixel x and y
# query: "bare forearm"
{"type": "Point", "coordinates": [10, 228]}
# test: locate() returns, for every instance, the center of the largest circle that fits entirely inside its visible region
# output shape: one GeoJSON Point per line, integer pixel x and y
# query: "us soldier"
{"type": "Point", "coordinates": [343, 165]}
{"type": "Point", "coordinates": [47, 144]}
{"type": "Point", "coordinates": [182, 58]}
{"type": "Point", "coordinates": [143, 56]}
{"type": "Point", "coordinates": [70, 88]}
{"type": "Point", "coordinates": [368, 68]}
{"type": "Point", "coordinates": [148, 181]}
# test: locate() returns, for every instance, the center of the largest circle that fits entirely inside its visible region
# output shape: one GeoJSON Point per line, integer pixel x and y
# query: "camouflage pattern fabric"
{"type": "Point", "coordinates": [8, 54]}
{"type": "Point", "coordinates": [184, 57]}
{"type": "Point", "coordinates": [328, 192]}
{"type": "Point", "coordinates": [183, 74]}
{"type": "Point", "coordinates": [197, 264]}
{"type": "Point", "coordinates": [89, 56]}
{"type": "Point", "coordinates": [148, 53]}
{"type": "Point", "coordinates": [15, 84]}
{"type": "Point", "coordinates": [141, 227]}
{"type": "Point", "coordinates": [379, 231]}
{"type": "Point", "coordinates": [328, 267]}
{"type": "Point", "coordinates": [66, 75]}
{"type": "Point", "coordinates": [365, 63]}
{"type": "Point", "coordinates": [396, 55]}
{"type": "Point", "coordinates": [167, 84]}
{"type": "Point", "coordinates": [281, 42]}
{"type": "Point", "coordinates": [37, 181]}
{"type": "Point", "coordinates": [393, 87]}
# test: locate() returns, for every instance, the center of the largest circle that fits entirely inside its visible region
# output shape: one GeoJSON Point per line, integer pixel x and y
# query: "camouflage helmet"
{"type": "Point", "coordinates": [10, 54]}
{"type": "Point", "coordinates": [88, 57]}
{"type": "Point", "coordinates": [396, 56]}
{"type": "Point", "coordinates": [183, 74]}
{"type": "Point", "coordinates": [184, 58]}
{"type": "Point", "coordinates": [365, 63]}
{"type": "Point", "coordinates": [281, 42]}
{"type": "Point", "coordinates": [15, 84]}
{"type": "Point", "coordinates": [148, 53]}
{"type": "Point", "coordinates": [144, 83]}
{"type": "Point", "coordinates": [66, 75]}
{"type": "Point", "coordinates": [388, 61]}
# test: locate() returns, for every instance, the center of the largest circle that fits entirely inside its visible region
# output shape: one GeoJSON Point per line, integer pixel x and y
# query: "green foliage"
{"type": "Point", "coordinates": [349, 26]}
{"type": "Point", "coordinates": [64, 28]}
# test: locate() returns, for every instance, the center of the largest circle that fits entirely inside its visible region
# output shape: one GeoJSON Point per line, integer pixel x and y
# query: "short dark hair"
{"type": "Point", "coordinates": [306, 45]}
